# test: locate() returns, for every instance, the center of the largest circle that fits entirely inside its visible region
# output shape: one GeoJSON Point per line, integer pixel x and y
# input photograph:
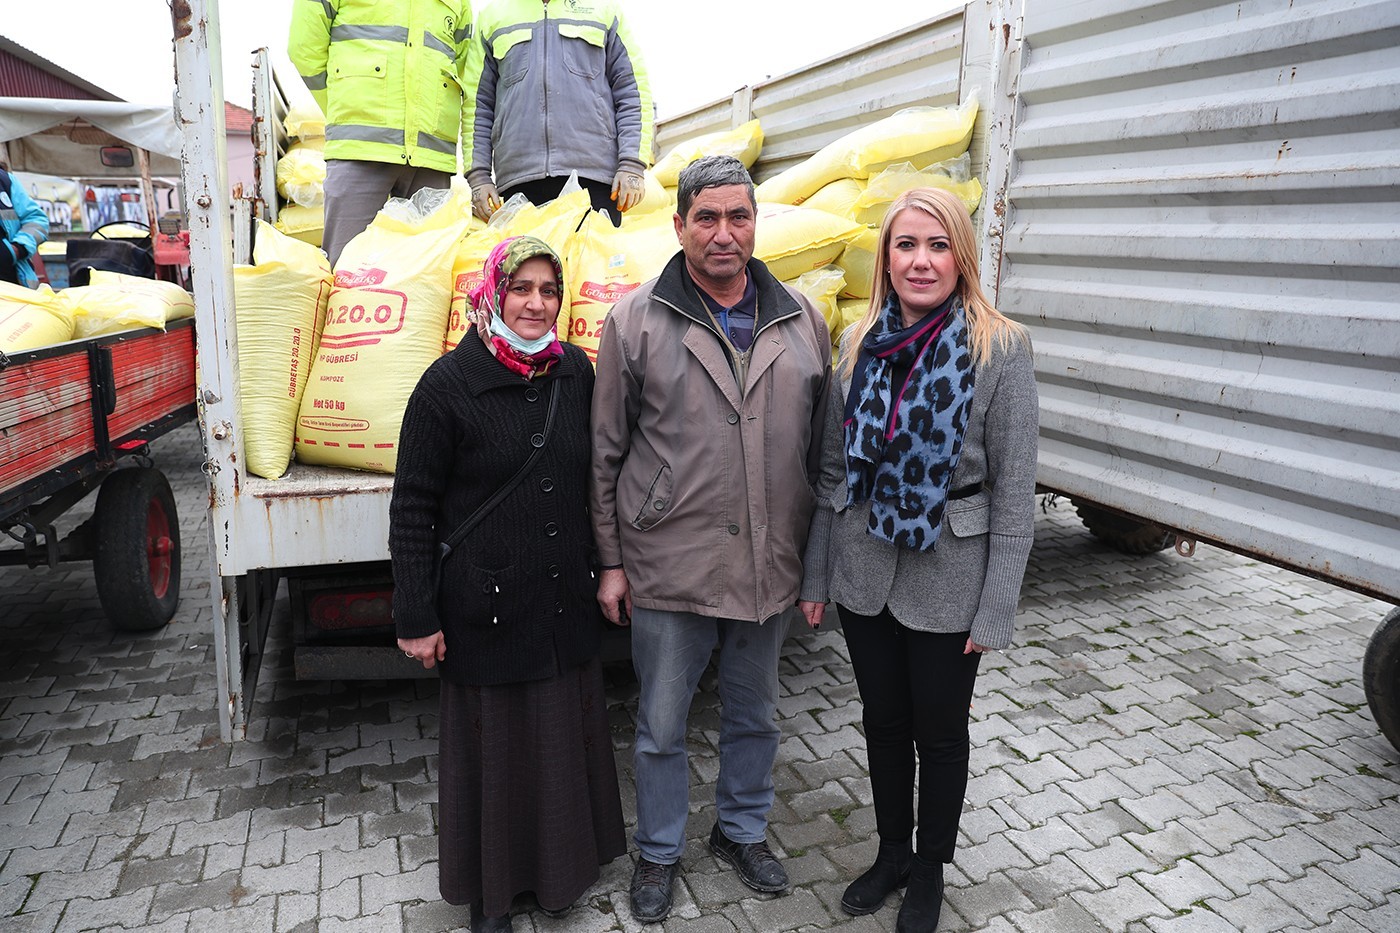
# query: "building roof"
{"type": "Point", "coordinates": [27, 74]}
{"type": "Point", "coordinates": [237, 119]}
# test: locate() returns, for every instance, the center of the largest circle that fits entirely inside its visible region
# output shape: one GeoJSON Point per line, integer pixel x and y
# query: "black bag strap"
{"type": "Point", "coordinates": [499, 496]}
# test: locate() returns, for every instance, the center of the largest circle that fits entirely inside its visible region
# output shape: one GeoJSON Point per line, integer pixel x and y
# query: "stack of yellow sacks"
{"type": "Point", "coordinates": [40, 317]}
{"type": "Point", "coordinates": [301, 174]}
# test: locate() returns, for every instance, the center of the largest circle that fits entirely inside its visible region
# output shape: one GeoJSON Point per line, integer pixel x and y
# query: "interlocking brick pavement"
{"type": "Point", "coordinates": [1172, 746]}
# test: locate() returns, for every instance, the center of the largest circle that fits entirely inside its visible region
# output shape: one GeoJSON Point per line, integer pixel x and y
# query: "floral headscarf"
{"type": "Point", "coordinates": [508, 256]}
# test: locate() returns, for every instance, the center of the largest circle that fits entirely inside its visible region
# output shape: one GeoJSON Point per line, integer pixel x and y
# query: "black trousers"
{"type": "Point", "coordinates": [547, 189]}
{"type": "Point", "coordinates": [915, 688]}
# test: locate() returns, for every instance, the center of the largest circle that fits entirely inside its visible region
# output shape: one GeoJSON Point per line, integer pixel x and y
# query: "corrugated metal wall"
{"type": "Point", "coordinates": [802, 111]}
{"type": "Point", "coordinates": [1204, 234]}
{"type": "Point", "coordinates": [19, 78]}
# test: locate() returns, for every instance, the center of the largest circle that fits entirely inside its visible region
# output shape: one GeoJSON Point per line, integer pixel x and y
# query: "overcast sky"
{"type": "Point", "coordinates": [694, 53]}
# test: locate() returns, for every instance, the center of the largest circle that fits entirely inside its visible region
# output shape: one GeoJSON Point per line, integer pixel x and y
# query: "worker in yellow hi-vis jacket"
{"type": "Point", "coordinates": [388, 76]}
{"type": "Point", "coordinates": [554, 87]}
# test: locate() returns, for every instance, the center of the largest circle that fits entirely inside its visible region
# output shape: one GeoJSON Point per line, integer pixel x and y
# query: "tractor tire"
{"type": "Point", "coordinates": [137, 563]}
{"type": "Point", "coordinates": [1380, 676]}
{"type": "Point", "coordinates": [1123, 534]}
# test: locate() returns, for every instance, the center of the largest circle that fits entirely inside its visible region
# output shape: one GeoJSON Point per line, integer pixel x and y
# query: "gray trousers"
{"type": "Point", "coordinates": [355, 191]}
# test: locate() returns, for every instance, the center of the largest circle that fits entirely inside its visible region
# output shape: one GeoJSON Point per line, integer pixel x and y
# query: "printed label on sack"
{"type": "Point", "coordinates": [367, 314]}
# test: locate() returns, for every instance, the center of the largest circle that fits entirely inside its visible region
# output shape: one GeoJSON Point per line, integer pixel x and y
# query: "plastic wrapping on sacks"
{"type": "Point", "coordinates": [384, 325]}
{"type": "Point", "coordinates": [305, 223]}
{"type": "Point", "coordinates": [304, 119]}
{"type": "Point", "coordinates": [918, 135]}
{"type": "Point", "coordinates": [301, 176]}
{"type": "Point", "coordinates": [794, 240]}
{"type": "Point", "coordinates": [858, 261]}
{"type": "Point", "coordinates": [115, 302]}
{"type": "Point", "coordinates": [837, 197]}
{"type": "Point", "coordinates": [743, 143]}
{"type": "Point", "coordinates": [821, 286]}
{"type": "Point", "coordinates": [953, 175]}
{"type": "Point", "coordinates": [851, 311]}
{"type": "Point", "coordinates": [33, 317]}
{"type": "Point", "coordinates": [610, 262]}
{"type": "Point", "coordinates": [280, 306]}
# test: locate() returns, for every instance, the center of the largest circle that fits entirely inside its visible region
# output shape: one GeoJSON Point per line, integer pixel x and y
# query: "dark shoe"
{"type": "Point", "coordinates": [651, 890]}
{"type": "Point", "coordinates": [484, 924]}
{"type": "Point", "coordinates": [891, 870]}
{"type": "Point", "coordinates": [756, 864]}
{"type": "Point", "coordinates": [556, 914]}
{"type": "Point", "coordinates": [923, 902]}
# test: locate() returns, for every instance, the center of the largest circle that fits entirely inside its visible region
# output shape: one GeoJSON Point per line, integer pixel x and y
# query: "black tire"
{"type": "Point", "coordinates": [1380, 676]}
{"type": "Point", "coordinates": [137, 563]}
{"type": "Point", "coordinates": [1123, 534]}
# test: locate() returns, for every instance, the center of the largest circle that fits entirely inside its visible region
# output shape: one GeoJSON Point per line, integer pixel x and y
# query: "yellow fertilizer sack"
{"type": "Point", "coordinates": [953, 175]}
{"type": "Point", "coordinates": [31, 318]}
{"type": "Point", "coordinates": [466, 274]}
{"type": "Point", "coordinates": [794, 240]}
{"type": "Point", "coordinates": [837, 197]}
{"type": "Point", "coordinates": [384, 325]}
{"type": "Point", "coordinates": [305, 223]}
{"type": "Point", "coordinates": [611, 261]}
{"type": "Point", "coordinates": [743, 143]}
{"type": "Point", "coordinates": [656, 198]}
{"type": "Point", "coordinates": [851, 310]}
{"type": "Point", "coordinates": [858, 262]}
{"type": "Point", "coordinates": [301, 176]}
{"type": "Point", "coordinates": [280, 304]}
{"type": "Point", "coordinates": [304, 119]}
{"type": "Point", "coordinates": [919, 135]}
{"type": "Point", "coordinates": [115, 302]}
{"type": "Point", "coordinates": [821, 286]}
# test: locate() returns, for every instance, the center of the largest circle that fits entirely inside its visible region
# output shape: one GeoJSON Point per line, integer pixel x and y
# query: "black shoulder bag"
{"type": "Point", "coordinates": [446, 546]}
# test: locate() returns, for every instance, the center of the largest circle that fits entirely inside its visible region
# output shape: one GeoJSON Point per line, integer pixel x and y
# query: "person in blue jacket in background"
{"type": "Point", "coordinates": [23, 226]}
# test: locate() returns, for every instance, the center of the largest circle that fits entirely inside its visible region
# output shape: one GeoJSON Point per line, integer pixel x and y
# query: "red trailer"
{"type": "Point", "coordinates": [79, 416]}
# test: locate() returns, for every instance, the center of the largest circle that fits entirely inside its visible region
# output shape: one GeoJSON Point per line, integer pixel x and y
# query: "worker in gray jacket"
{"type": "Point", "coordinates": [556, 88]}
{"type": "Point", "coordinates": [924, 523]}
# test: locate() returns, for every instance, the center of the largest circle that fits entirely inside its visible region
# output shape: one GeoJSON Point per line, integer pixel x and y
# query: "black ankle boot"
{"type": "Point", "coordinates": [481, 923]}
{"type": "Point", "coordinates": [891, 870]}
{"type": "Point", "coordinates": [923, 901]}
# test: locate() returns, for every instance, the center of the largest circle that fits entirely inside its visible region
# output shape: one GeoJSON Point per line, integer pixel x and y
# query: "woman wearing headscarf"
{"type": "Point", "coordinates": [493, 585]}
{"type": "Point", "coordinates": [925, 521]}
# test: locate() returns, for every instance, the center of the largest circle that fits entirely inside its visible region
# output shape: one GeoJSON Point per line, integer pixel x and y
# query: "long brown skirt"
{"type": "Point", "coordinates": [527, 791]}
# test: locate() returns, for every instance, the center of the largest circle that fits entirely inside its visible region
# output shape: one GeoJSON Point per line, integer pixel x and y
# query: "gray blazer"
{"type": "Point", "coordinates": [972, 580]}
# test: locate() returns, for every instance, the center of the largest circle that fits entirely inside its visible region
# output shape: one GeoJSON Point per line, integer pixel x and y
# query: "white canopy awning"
{"type": "Point", "coordinates": [57, 137]}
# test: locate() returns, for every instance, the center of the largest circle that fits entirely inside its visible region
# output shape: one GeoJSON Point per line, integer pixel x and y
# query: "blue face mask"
{"type": "Point", "coordinates": [517, 342]}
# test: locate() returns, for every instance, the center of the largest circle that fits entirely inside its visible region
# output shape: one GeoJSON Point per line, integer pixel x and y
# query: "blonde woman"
{"type": "Point", "coordinates": [923, 528]}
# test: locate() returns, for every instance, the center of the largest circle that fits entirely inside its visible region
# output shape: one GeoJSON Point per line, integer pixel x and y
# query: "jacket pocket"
{"type": "Point", "coordinates": [512, 53]}
{"type": "Point", "coordinates": [359, 90]}
{"type": "Point", "coordinates": [584, 49]}
{"type": "Point", "coordinates": [657, 501]}
{"type": "Point", "coordinates": [969, 517]}
{"type": "Point", "coordinates": [483, 594]}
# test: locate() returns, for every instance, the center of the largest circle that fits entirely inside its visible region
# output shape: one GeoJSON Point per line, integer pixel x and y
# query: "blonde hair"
{"type": "Point", "coordinates": [985, 323]}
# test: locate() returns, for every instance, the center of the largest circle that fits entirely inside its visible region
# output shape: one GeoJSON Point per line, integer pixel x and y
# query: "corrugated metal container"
{"type": "Point", "coordinates": [1203, 231]}
{"type": "Point", "coordinates": [19, 78]}
{"type": "Point", "coordinates": [802, 111]}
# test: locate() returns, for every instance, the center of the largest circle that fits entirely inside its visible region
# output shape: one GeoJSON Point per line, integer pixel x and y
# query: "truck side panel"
{"type": "Point", "coordinates": [1204, 235]}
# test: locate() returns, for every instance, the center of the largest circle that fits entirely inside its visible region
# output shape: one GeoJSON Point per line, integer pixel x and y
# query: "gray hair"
{"type": "Point", "coordinates": [713, 171]}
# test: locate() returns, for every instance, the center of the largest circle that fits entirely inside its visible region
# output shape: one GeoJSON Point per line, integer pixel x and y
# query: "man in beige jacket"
{"type": "Point", "coordinates": [711, 388]}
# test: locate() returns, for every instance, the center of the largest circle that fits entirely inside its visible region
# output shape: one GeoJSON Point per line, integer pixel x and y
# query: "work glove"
{"type": "Point", "coordinates": [486, 200]}
{"type": "Point", "coordinates": [628, 187]}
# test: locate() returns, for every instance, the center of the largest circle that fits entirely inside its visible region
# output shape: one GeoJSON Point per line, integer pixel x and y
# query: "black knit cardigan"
{"type": "Point", "coordinates": [517, 600]}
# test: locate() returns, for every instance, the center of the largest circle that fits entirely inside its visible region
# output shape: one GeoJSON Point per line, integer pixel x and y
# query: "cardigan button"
{"type": "Point", "coordinates": [536, 440]}
{"type": "Point", "coordinates": [554, 571]}
{"type": "Point", "coordinates": [559, 609]}
{"type": "Point", "coordinates": [532, 395]}
{"type": "Point", "coordinates": [733, 529]}
{"type": "Point", "coordinates": [551, 529]}
{"type": "Point", "coordinates": [546, 485]}
{"type": "Point", "coordinates": [733, 418]}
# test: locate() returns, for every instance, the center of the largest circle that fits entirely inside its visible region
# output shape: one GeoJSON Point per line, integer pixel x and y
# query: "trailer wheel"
{"type": "Point", "coordinates": [1127, 535]}
{"type": "Point", "coordinates": [1380, 675]}
{"type": "Point", "coordinates": [137, 562]}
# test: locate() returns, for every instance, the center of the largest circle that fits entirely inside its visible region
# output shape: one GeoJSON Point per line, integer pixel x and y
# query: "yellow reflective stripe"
{"type": "Point", "coordinates": [437, 45]}
{"type": "Point", "coordinates": [590, 34]}
{"type": "Point", "coordinates": [436, 143]}
{"type": "Point", "coordinates": [315, 82]}
{"type": "Point", "coordinates": [364, 134]}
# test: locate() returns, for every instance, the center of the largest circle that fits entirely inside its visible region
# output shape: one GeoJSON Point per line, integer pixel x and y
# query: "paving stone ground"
{"type": "Point", "coordinates": [1172, 746]}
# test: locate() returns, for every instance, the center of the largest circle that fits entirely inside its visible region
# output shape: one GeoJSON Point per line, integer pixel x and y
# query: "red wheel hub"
{"type": "Point", "coordinates": [158, 548]}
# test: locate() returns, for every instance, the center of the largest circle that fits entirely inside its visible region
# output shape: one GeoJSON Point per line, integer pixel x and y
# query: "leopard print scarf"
{"type": "Point", "coordinates": [901, 458]}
